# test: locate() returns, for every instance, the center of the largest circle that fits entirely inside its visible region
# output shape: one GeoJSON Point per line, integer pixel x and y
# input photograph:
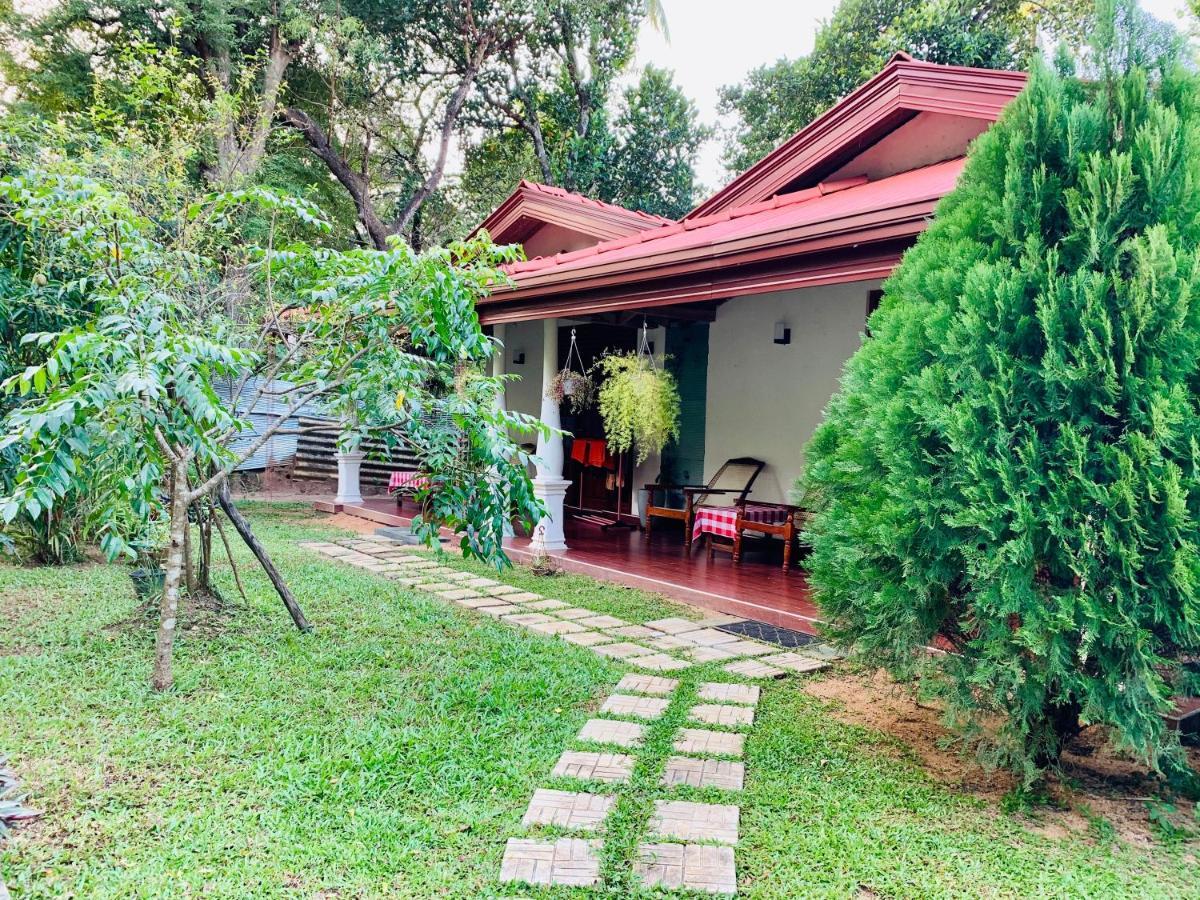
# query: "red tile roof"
{"type": "Point", "coordinates": [564, 194]}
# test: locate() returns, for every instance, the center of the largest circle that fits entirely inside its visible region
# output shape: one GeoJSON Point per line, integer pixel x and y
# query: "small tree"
{"type": "Point", "coordinates": [126, 406]}
{"type": "Point", "coordinates": [1011, 469]}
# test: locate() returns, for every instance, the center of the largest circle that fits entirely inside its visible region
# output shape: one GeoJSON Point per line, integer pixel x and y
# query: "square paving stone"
{"type": "Point", "coordinates": [608, 731]}
{"type": "Point", "coordinates": [477, 582]}
{"type": "Point", "coordinates": [753, 668]}
{"type": "Point", "coordinates": [460, 594]}
{"type": "Point", "coordinates": [404, 580]}
{"type": "Point", "coordinates": [673, 625]}
{"type": "Point", "coordinates": [694, 867]}
{"type": "Point", "coordinates": [568, 809]}
{"type": "Point", "coordinates": [496, 609]}
{"type": "Point", "coordinates": [708, 637]}
{"type": "Point", "coordinates": [747, 648]}
{"type": "Point", "coordinates": [590, 766]}
{"type": "Point", "coordinates": [547, 605]}
{"type": "Point", "coordinates": [528, 618]}
{"type": "Point", "coordinates": [711, 743]}
{"type": "Point", "coordinates": [647, 684]}
{"type": "Point", "coordinates": [477, 601]}
{"type": "Point", "coordinates": [452, 575]}
{"type": "Point", "coordinates": [522, 597]}
{"type": "Point", "coordinates": [623, 650]}
{"type": "Point", "coordinates": [669, 642]}
{"type": "Point", "coordinates": [712, 620]}
{"type": "Point", "coordinates": [573, 612]}
{"type": "Point", "coordinates": [634, 631]}
{"type": "Point", "coordinates": [717, 773]}
{"type": "Point", "coordinates": [659, 662]}
{"type": "Point", "coordinates": [724, 692]}
{"type": "Point", "coordinates": [587, 638]}
{"type": "Point", "coordinates": [708, 654]}
{"type": "Point", "coordinates": [821, 651]}
{"type": "Point", "coordinates": [722, 714]}
{"type": "Point", "coordinates": [603, 622]}
{"type": "Point", "coordinates": [567, 861]}
{"type": "Point", "coordinates": [794, 662]}
{"type": "Point", "coordinates": [501, 590]}
{"type": "Point", "coordinates": [435, 586]}
{"type": "Point", "coordinates": [629, 705]}
{"type": "Point", "coordinates": [557, 627]}
{"type": "Point", "coordinates": [689, 821]}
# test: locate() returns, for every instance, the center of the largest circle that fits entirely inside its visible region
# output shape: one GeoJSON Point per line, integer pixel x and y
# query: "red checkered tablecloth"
{"type": "Point", "coordinates": [722, 520]}
{"type": "Point", "coordinates": [407, 481]}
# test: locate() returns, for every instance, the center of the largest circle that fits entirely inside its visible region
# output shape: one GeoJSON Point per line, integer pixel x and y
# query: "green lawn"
{"type": "Point", "coordinates": [393, 751]}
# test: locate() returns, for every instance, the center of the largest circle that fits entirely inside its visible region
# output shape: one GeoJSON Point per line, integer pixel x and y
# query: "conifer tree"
{"type": "Point", "coordinates": [1011, 468]}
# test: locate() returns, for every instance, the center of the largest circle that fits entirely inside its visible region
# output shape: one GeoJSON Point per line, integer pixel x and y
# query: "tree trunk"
{"type": "Point", "coordinates": [164, 644]}
{"type": "Point", "coordinates": [260, 553]}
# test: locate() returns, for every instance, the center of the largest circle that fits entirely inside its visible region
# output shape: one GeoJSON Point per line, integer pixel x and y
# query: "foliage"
{"type": "Point", "coordinates": [639, 403]}
{"type": "Point", "coordinates": [1011, 463]}
{"type": "Point", "coordinates": [578, 388]}
{"type": "Point", "coordinates": [778, 100]}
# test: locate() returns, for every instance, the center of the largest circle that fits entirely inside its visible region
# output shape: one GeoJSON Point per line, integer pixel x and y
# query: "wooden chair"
{"type": "Point", "coordinates": [732, 482]}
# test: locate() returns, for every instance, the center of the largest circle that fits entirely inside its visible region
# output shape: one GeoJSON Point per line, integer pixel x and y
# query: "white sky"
{"type": "Point", "coordinates": [716, 42]}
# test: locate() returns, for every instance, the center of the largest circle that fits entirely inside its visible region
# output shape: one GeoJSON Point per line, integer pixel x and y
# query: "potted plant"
{"type": "Point", "coordinates": [639, 403]}
{"type": "Point", "coordinates": [576, 387]}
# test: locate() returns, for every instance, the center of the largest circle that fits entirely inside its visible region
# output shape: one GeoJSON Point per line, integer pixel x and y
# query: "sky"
{"type": "Point", "coordinates": [716, 42]}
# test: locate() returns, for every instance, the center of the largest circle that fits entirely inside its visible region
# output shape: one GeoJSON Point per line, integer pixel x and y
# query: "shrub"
{"type": "Point", "coordinates": [1012, 464]}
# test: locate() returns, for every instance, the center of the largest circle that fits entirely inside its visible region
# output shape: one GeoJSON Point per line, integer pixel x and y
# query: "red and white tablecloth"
{"type": "Point", "coordinates": [722, 520]}
{"type": "Point", "coordinates": [407, 481]}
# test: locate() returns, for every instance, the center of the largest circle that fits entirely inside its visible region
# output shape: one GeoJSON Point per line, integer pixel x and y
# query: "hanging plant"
{"type": "Point", "coordinates": [574, 385]}
{"type": "Point", "coordinates": [639, 403]}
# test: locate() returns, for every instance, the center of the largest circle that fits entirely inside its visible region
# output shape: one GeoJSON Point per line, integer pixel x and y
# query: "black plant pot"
{"type": "Point", "coordinates": [147, 583]}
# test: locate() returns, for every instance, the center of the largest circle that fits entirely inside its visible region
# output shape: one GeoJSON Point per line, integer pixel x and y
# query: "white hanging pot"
{"type": "Point", "coordinates": [570, 386]}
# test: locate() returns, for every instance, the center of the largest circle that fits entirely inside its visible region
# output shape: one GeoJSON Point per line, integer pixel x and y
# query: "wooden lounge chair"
{"type": "Point", "coordinates": [731, 483]}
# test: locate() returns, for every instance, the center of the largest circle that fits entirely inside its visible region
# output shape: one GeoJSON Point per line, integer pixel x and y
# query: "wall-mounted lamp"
{"type": "Point", "coordinates": [518, 357]}
{"type": "Point", "coordinates": [783, 334]}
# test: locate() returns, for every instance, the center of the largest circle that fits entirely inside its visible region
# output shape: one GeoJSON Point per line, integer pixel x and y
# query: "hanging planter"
{"type": "Point", "coordinates": [575, 386]}
{"type": "Point", "coordinates": [639, 402]}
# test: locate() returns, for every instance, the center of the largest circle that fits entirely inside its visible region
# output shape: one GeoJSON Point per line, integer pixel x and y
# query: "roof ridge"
{"type": "Point", "coordinates": [556, 191]}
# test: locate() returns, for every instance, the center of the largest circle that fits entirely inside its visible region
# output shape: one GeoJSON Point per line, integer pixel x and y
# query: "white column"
{"type": "Point", "coordinates": [498, 363]}
{"type": "Point", "coordinates": [548, 484]}
{"type": "Point", "coordinates": [349, 466]}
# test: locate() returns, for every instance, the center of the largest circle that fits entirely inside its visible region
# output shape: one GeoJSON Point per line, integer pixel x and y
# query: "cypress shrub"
{"type": "Point", "coordinates": [1011, 467]}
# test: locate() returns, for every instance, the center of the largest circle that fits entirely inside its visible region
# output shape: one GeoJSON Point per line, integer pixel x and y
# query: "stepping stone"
{"type": "Point", "coordinates": [822, 651]}
{"type": "Point", "coordinates": [623, 650]}
{"type": "Point", "coordinates": [708, 654]}
{"type": "Point", "coordinates": [477, 601]}
{"type": "Point", "coordinates": [634, 631]}
{"type": "Point", "coordinates": [754, 668]}
{"type": "Point", "coordinates": [587, 638]}
{"type": "Point", "coordinates": [460, 594]}
{"type": "Point", "coordinates": [669, 642]}
{"type": "Point", "coordinates": [708, 637]}
{"type": "Point", "coordinates": [712, 620]}
{"type": "Point", "coordinates": [480, 582]}
{"type": "Point", "coordinates": [404, 581]}
{"type": "Point", "coordinates": [568, 809]}
{"type": "Point", "coordinates": [557, 627]}
{"type": "Point", "coordinates": [659, 662]}
{"type": "Point", "coordinates": [673, 625]}
{"type": "Point", "coordinates": [687, 821]}
{"type": "Point", "coordinates": [547, 605]}
{"type": "Point", "coordinates": [647, 684]}
{"type": "Point", "coordinates": [747, 648]}
{"type": "Point", "coordinates": [438, 586]}
{"type": "Point", "coordinates": [527, 618]}
{"type": "Point", "coordinates": [710, 743]}
{"type": "Point", "coordinates": [722, 714]}
{"type": "Point", "coordinates": [567, 861]}
{"type": "Point", "coordinates": [607, 731]}
{"type": "Point", "coordinates": [603, 622]}
{"type": "Point", "coordinates": [795, 662]}
{"type": "Point", "coordinates": [590, 766]}
{"type": "Point", "coordinates": [693, 867]}
{"type": "Point", "coordinates": [457, 576]}
{"type": "Point", "coordinates": [724, 692]}
{"type": "Point", "coordinates": [699, 773]}
{"type": "Point", "coordinates": [497, 609]}
{"type": "Point", "coordinates": [573, 612]}
{"type": "Point", "coordinates": [629, 705]}
{"type": "Point", "coordinates": [522, 597]}
{"type": "Point", "coordinates": [501, 590]}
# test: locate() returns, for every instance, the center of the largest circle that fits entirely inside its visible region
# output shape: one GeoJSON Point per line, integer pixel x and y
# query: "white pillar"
{"type": "Point", "coordinates": [349, 466]}
{"type": "Point", "coordinates": [548, 484]}
{"type": "Point", "coordinates": [498, 364]}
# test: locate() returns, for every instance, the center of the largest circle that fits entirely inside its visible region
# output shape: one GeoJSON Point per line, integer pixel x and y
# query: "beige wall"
{"type": "Point", "coordinates": [524, 395]}
{"type": "Point", "coordinates": [926, 139]}
{"type": "Point", "coordinates": [551, 239]}
{"type": "Point", "coordinates": [764, 399]}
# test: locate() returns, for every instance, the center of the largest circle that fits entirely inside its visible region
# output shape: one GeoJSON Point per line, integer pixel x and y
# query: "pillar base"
{"type": "Point", "coordinates": [349, 491]}
{"type": "Point", "coordinates": [548, 534]}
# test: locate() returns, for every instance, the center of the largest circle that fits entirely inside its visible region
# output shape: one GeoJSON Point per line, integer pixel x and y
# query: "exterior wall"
{"type": "Point", "coordinates": [765, 399]}
{"type": "Point", "coordinates": [551, 239]}
{"type": "Point", "coordinates": [524, 395]}
{"type": "Point", "coordinates": [926, 139]}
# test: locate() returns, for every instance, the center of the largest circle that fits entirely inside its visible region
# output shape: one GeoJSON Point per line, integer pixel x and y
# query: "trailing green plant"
{"type": "Point", "coordinates": [639, 403]}
{"type": "Point", "coordinates": [1011, 468]}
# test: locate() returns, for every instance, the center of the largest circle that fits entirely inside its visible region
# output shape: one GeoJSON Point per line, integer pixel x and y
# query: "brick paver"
{"type": "Point", "coordinates": [707, 637]}
{"type": "Point", "coordinates": [547, 605]}
{"type": "Point", "coordinates": [574, 612]}
{"type": "Point", "coordinates": [748, 648]}
{"type": "Point", "coordinates": [722, 714]}
{"type": "Point", "coordinates": [623, 650]}
{"type": "Point", "coordinates": [567, 861]}
{"type": "Point", "coordinates": [795, 662]}
{"type": "Point", "coordinates": [523, 597]}
{"type": "Point", "coordinates": [713, 743]}
{"type": "Point", "coordinates": [502, 590]}
{"type": "Point", "coordinates": [718, 773]}
{"type": "Point", "coordinates": [459, 594]}
{"type": "Point", "coordinates": [634, 631]}
{"type": "Point", "coordinates": [673, 625]}
{"type": "Point", "coordinates": [695, 867]}
{"type": "Point", "coordinates": [557, 627]}
{"type": "Point", "coordinates": [725, 692]}
{"type": "Point", "coordinates": [647, 684]}
{"type": "Point", "coordinates": [588, 638]}
{"type": "Point", "coordinates": [590, 766]}
{"type": "Point", "coordinates": [497, 609]}
{"type": "Point", "coordinates": [708, 654]}
{"type": "Point", "coordinates": [630, 705]}
{"type": "Point", "coordinates": [528, 618]}
{"type": "Point", "coordinates": [608, 731]}
{"type": "Point", "coordinates": [477, 601]}
{"type": "Point", "coordinates": [603, 622]}
{"type": "Point", "coordinates": [659, 662]}
{"type": "Point", "coordinates": [753, 668]}
{"type": "Point", "coordinates": [568, 809]}
{"type": "Point", "coordinates": [669, 642]}
{"type": "Point", "coordinates": [689, 821]}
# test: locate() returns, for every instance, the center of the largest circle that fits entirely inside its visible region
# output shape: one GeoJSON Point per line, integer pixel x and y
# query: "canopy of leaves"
{"type": "Point", "coordinates": [1011, 468]}
{"type": "Point", "coordinates": [639, 403]}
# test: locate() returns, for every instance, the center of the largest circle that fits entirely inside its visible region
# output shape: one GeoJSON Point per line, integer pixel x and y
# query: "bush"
{"type": "Point", "coordinates": [1012, 464]}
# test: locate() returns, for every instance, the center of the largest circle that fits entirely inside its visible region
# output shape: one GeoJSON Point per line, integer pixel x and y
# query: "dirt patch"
{"type": "Point", "coordinates": [348, 522]}
{"type": "Point", "coordinates": [1100, 785]}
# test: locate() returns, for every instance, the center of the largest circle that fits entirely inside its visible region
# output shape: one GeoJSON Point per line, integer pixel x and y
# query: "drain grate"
{"type": "Point", "coordinates": [771, 634]}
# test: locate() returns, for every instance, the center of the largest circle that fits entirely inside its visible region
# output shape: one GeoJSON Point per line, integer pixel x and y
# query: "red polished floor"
{"type": "Point", "coordinates": [756, 588]}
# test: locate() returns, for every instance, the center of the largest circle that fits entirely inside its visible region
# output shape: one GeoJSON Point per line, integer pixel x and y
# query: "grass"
{"type": "Point", "coordinates": [393, 752]}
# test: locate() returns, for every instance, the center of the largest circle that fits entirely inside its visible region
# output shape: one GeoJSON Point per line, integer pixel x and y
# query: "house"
{"type": "Point", "coordinates": [758, 295]}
